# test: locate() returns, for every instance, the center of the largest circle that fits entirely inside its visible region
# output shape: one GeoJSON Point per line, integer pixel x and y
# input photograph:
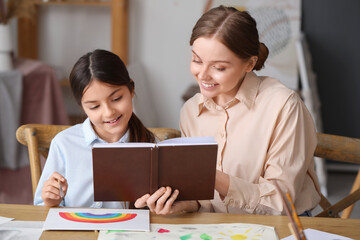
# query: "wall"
{"type": "Point", "coordinates": [333, 32]}
{"type": "Point", "coordinates": [159, 52]}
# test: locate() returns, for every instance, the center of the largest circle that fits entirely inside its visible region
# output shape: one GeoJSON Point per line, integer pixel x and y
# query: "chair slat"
{"type": "Point", "coordinates": [341, 149]}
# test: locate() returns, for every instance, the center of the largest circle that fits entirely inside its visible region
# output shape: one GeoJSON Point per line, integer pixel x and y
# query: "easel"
{"type": "Point", "coordinates": [310, 97]}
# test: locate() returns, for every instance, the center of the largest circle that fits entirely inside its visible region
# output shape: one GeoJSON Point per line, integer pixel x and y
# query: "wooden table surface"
{"type": "Point", "coordinates": [345, 227]}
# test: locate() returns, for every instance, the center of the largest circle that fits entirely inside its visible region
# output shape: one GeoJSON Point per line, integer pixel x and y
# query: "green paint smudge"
{"type": "Point", "coordinates": [204, 236]}
{"type": "Point", "coordinates": [186, 237]}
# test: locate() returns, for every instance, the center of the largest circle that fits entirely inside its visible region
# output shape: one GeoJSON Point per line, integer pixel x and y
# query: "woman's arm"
{"type": "Point", "coordinates": [163, 202]}
{"type": "Point", "coordinates": [222, 182]}
{"type": "Point", "coordinates": [287, 160]}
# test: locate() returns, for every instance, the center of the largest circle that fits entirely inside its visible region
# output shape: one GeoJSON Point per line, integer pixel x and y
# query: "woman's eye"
{"type": "Point", "coordinates": [196, 61]}
{"type": "Point", "coordinates": [220, 68]}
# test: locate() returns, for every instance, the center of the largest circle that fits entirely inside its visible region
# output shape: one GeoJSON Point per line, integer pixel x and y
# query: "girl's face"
{"type": "Point", "coordinates": [109, 108]}
{"type": "Point", "coordinates": [218, 71]}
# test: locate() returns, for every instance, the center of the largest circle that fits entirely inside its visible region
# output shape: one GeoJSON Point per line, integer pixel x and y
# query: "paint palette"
{"type": "Point", "coordinates": [231, 231]}
{"type": "Point", "coordinates": [97, 219]}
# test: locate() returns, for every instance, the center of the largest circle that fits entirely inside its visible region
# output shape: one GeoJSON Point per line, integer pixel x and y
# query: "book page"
{"type": "Point", "coordinates": [124, 145]}
{"type": "Point", "coordinates": [188, 141]}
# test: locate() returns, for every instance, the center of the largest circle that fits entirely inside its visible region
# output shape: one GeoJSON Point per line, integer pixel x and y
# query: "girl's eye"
{"type": "Point", "coordinates": [117, 99]}
{"type": "Point", "coordinates": [94, 107]}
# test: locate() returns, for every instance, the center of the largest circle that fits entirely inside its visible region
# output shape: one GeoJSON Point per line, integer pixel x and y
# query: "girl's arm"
{"type": "Point", "coordinates": [54, 169]}
{"type": "Point", "coordinates": [51, 192]}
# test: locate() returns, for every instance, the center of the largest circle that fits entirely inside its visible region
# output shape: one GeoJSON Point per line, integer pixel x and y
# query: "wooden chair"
{"type": "Point", "coordinates": [342, 149]}
{"type": "Point", "coordinates": [37, 137]}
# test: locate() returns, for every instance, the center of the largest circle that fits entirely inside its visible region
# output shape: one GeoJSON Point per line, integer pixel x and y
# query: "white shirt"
{"type": "Point", "coordinates": [70, 155]}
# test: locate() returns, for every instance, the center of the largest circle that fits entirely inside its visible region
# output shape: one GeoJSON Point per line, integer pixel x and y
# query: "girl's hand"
{"type": "Point", "coordinates": [162, 202]}
{"type": "Point", "coordinates": [51, 190]}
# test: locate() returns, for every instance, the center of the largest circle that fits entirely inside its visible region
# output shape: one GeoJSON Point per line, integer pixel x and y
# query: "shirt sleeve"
{"type": "Point", "coordinates": [289, 156]}
{"type": "Point", "coordinates": [54, 163]}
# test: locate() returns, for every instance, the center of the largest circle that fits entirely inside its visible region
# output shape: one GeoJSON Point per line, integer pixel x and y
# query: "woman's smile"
{"type": "Point", "coordinates": [208, 86]}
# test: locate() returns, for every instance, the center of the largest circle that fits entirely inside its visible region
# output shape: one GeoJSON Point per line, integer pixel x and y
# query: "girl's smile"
{"type": "Point", "coordinates": [113, 122]}
{"type": "Point", "coordinates": [109, 108]}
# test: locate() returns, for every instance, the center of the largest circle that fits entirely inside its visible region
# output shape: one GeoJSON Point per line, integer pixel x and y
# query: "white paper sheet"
{"type": "Point", "coordinates": [97, 219]}
{"type": "Point", "coordinates": [24, 230]}
{"type": "Point", "coordinates": [229, 231]}
{"type": "Point", "coordinates": [5, 220]}
{"type": "Point", "coordinates": [312, 234]}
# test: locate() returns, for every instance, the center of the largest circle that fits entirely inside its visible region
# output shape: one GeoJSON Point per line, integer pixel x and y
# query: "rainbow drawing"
{"type": "Point", "coordinates": [97, 218]}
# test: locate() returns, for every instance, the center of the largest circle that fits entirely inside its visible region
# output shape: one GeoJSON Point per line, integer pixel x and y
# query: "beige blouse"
{"type": "Point", "coordinates": [264, 134]}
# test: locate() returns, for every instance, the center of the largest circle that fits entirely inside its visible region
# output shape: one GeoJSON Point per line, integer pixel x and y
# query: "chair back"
{"type": "Point", "coordinates": [341, 149]}
{"type": "Point", "coordinates": [37, 138]}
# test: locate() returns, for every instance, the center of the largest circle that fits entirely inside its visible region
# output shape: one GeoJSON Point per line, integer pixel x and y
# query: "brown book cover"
{"type": "Point", "coordinates": [127, 171]}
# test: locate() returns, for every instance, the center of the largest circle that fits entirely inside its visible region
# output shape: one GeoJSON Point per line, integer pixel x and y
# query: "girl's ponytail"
{"type": "Point", "coordinates": [138, 132]}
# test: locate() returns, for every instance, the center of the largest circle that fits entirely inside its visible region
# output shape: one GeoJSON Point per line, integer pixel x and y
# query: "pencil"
{"type": "Point", "coordinates": [295, 216]}
{"type": "Point", "coordinates": [292, 224]}
{"type": "Point", "coordinates": [61, 190]}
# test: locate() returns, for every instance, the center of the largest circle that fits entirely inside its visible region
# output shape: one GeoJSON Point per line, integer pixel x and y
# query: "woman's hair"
{"type": "Point", "coordinates": [235, 29]}
{"type": "Point", "coordinates": [106, 67]}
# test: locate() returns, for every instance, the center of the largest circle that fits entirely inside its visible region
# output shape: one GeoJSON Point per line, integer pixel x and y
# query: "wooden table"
{"type": "Point", "coordinates": [345, 227]}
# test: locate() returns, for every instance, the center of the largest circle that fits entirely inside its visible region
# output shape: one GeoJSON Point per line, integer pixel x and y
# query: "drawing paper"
{"type": "Point", "coordinates": [29, 230]}
{"type": "Point", "coordinates": [5, 220]}
{"type": "Point", "coordinates": [312, 234]}
{"type": "Point", "coordinates": [97, 219]}
{"type": "Point", "coordinates": [231, 231]}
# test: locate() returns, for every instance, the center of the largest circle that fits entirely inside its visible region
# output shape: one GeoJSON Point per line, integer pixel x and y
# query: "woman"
{"type": "Point", "coordinates": [263, 129]}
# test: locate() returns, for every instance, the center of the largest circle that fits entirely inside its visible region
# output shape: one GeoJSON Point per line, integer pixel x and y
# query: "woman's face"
{"type": "Point", "coordinates": [109, 108]}
{"type": "Point", "coordinates": [218, 71]}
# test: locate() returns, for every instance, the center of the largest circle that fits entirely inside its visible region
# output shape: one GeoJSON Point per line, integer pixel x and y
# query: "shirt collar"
{"type": "Point", "coordinates": [247, 93]}
{"type": "Point", "coordinates": [91, 136]}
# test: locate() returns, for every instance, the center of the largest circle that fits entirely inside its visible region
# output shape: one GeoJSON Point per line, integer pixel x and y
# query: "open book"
{"type": "Point", "coordinates": [127, 171]}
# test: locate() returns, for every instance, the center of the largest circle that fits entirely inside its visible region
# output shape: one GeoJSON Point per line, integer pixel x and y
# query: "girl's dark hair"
{"type": "Point", "coordinates": [107, 67]}
{"type": "Point", "coordinates": [235, 29]}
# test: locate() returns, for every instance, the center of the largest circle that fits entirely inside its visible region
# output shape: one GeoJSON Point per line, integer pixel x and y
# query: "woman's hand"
{"type": "Point", "coordinates": [222, 182]}
{"type": "Point", "coordinates": [51, 190]}
{"type": "Point", "coordinates": [162, 202]}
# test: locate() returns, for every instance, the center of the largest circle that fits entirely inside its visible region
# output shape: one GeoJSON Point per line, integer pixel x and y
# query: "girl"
{"type": "Point", "coordinates": [101, 85]}
{"type": "Point", "coordinates": [263, 129]}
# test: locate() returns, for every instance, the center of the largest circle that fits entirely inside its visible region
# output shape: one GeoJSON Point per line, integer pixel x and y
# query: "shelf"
{"type": "Point", "coordinates": [82, 3]}
{"type": "Point", "coordinates": [28, 29]}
